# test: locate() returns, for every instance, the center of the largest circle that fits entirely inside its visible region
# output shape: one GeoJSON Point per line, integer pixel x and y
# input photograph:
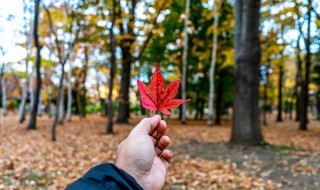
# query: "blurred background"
{"type": "Point", "coordinates": [69, 68]}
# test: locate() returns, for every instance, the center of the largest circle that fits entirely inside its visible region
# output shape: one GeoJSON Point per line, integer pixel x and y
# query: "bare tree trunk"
{"type": "Point", "coordinates": [40, 102]}
{"type": "Point", "coordinates": [125, 44]}
{"type": "Point", "coordinates": [219, 99]}
{"type": "Point", "coordinates": [279, 117]}
{"type": "Point", "coordinates": [31, 88]}
{"type": "Point", "coordinates": [109, 129]}
{"type": "Point", "coordinates": [298, 80]}
{"type": "Point", "coordinates": [58, 105]}
{"type": "Point", "coordinates": [123, 113]}
{"type": "Point", "coordinates": [34, 110]}
{"type": "Point", "coordinates": [60, 108]}
{"type": "Point", "coordinates": [69, 104]}
{"type": "Point", "coordinates": [246, 125]}
{"type": "Point", "coordinates": [4, 97]}
{"type": "Point", "coordinates": [22, 107]}
{"type": "Point", "coordinates": [49, 99]}
{"type": "Point", "coordinates": [318, 104]}
{"type": "Point", "coordinates": [265, 103]}
{"type": "Point", "coordinates": [305, 85]}
{"type": "Point", "coordinates": [185, 64]}
{"type": "Point", "coordinates": [213, 64]}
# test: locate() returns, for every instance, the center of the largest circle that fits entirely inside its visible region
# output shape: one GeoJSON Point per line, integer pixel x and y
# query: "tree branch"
{"type": "Point", "coordinates": [149, 36]}
{"type": "Point", "coordinates": [52, 31]}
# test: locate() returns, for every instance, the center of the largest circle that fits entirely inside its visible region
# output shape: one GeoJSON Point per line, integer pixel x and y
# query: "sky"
{"type": "Point", "coordinates": [8, 30]}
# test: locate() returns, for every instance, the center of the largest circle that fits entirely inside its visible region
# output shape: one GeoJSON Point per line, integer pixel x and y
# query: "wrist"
{"type": "Point", "coordinates": [123, 167]}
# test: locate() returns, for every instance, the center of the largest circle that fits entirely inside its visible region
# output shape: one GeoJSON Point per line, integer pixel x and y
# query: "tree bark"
{"type": "Point", "coordinates": [49, 99]}
{"type": "Point", "coordinates": [124, 110]}
{"type": "Point", "coordinates": [22, 107]}
{"type": "Point", "coordinates": [298, 80]}
{"type": "Point", "coordinates": [34, 110]}
{"type": "Point", "coordinates": [196, 116]}
{"type": "Point", "coordinates": [4, 97]}
{"type": "Point", "coordinates": [83, 90]}
{"type": "Point", "coordinates": [265, 102]}
{"type": "Point", "coordinates": [40, 102]}
{"type": "Point", "coordinates": [60, 108]}
{"type": "Point", "coordinates": [318, 104]}
{"type": "Point", "coordinates": [305, 85]}
{"type": "Point", "coordinates": [279, 117]}
{"type": "Point", "coordinates": [185, 64]}
{"type": "Point", "coordinates": [31, 87]}
{"type": "Point", "coordinates": [219, 99]}
{"type": "Point", "coordinates": [58, 104]}
{"type": "Point", "coordinates": [109, 128]}
{"type": "Point", "coordinates": [213, 64]}
{"type": "Point", "coordinates": [27, 32]}
{"type": "Point", "coordinates": [69, 104]}
{"type": "Point", "coordinates": [246, 125]}
{"type": "Point", "coordinates": [125, 44]}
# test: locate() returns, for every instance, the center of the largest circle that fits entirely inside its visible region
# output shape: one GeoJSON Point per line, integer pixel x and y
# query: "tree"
{"type": "Point", "coordinates": [213, 63]}
{"type": "Point", "coordinates": [185, 63]}
{"type": "Point", "coordinates": [245, 123]}
{"type": "Point", "coordinates": [63, 56]}
{"type": "Point", "coordinates": [306, 81]}
{"type": "Point", "coordinates": [127, 26]}
{"type": "Point", "coordinates": [34, 110]}
{"type": "Point", "coordinates": [112, 68]}
{"type": "Point", "coordinates": [28, 44]}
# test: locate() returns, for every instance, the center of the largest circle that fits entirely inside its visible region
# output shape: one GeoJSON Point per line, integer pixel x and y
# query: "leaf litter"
{"type": "Point", "coordinates": [202, 158]}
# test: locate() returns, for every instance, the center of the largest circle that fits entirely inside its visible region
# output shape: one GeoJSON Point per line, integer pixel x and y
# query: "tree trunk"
{"type": "Point", "coordinates": [126, 44]}
{"type": "Point", "coordinates": [291, 106]}
{"type": "Point", "coordinates": [40, 102]}
{"type": "Point", "coordinates": [31, 88]}
{"type": "Point", "coordinates": [22, 107]}
{"type": "Point", "coordinates": [49, 99]}
{"type": "Point", "coordinates": [60, 108]}
{"type": "Point", "coordinates": [69, 104]}
{"type": "Point", "coordinates": [279, 117]}
{"type": "Point", "coordinates": [201, 109]}
{"type": "Point", "coordinates": [76, 102]}
{"type": "Point", "coordinates": [213, 64]}
{"type": "Point", "coordinates": [27, 32]}
{"type": "Point", "coordinates": [34, 110]}
{"type": "Point", "coordinates": [219, 99]}
{"type": "Point", "coordinates": [318, 104]}
{"type": "Point", "coordinates": [83, 90]}
{"type": "Point", "coordinates": [185, 64]}
{"type": "Point", "coordinates": [265, 102]}
{"type": "Point", "coordinates": [124, 110]}
{"type": "Point", "coordinates": [298, 80]}
{"type": "Point", "coordinates": [196, 116]}
{"type": "Point", "coordinates": [305, 85]}
{"type": "Point", "coordinates": [109, 129]}
{"type": "Point", "coordinates": [246, 125]}
{"type": "Point", "coordinates": [4, 97]}
{"type": "Point", "coordinates": [58, 104]}
{"type": "Point", "coordinates": [101, 100]}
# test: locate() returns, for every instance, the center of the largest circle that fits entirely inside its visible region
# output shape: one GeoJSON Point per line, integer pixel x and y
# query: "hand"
{"type": "Point", "coordinates": [144, 155]}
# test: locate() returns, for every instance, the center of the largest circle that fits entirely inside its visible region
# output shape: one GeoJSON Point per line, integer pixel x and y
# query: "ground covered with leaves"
{"type": "Point", "coordinates": [203, 158]}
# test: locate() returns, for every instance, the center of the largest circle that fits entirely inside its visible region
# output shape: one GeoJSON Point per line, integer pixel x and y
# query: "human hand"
{"type": "Point", "coordinates": [144, 155]}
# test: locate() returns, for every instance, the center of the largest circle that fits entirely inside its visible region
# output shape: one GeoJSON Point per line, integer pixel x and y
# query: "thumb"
{"type": "Point", "coordinates": [147, 125]}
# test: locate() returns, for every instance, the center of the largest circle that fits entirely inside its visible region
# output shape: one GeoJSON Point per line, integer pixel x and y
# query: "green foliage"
{"type": "Point", "coordinates": [12, 104]}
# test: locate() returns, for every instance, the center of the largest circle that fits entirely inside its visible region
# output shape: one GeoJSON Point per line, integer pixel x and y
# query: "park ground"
{"type": "Point", "coordinates": [203, 158]}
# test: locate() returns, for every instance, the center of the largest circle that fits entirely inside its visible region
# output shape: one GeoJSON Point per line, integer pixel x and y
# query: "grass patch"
{"type": "Point", "coordinates": [280, 148]}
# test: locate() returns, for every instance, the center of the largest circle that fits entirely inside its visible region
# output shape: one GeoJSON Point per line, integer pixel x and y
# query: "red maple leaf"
{"type": "Point", "coordinates": [157, 96]}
